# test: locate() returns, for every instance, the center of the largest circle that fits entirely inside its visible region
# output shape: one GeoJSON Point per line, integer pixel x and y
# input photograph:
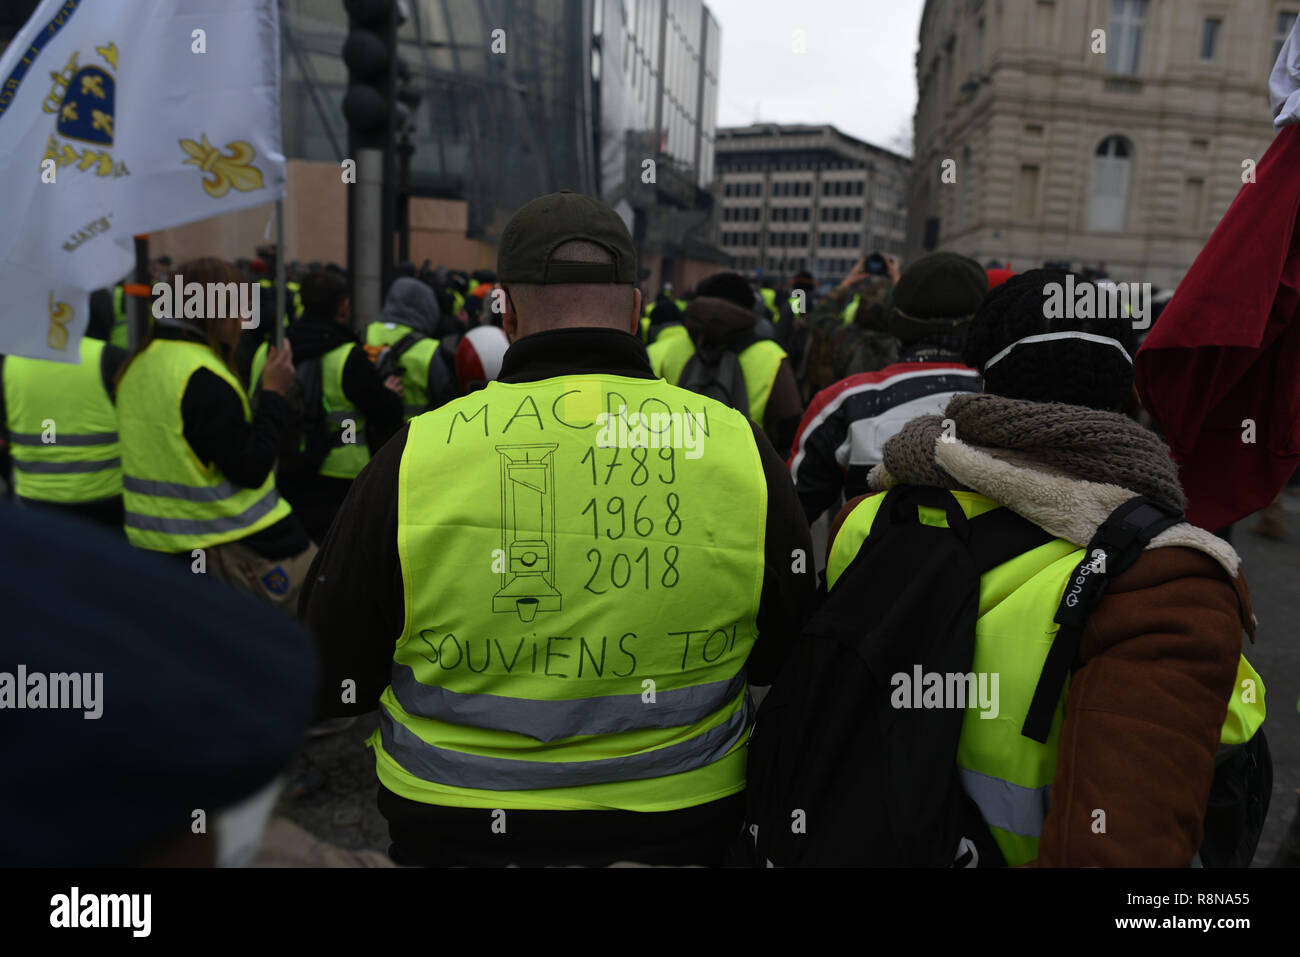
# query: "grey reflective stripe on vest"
{"type": "Point", "coordinates": [191, 493]}
{"type": "Point", "coordinates": [65, 468]}
{"type": "Point", "coordinates": [1011, 807]}
{"type": "Point", "coordinates": [552, 720]}
{"type": "Point", "coordinates": [34, 438]}
{"type": "Point", "coordinates": [204, 526]}
{"type": "Point", "coordinates": [462, 770]}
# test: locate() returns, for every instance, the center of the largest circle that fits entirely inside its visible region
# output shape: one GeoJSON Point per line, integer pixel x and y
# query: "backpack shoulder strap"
{"type": "Point", "coordinates": [1115, 546]}
{"type": "Point", "coordinates": [399, 347]}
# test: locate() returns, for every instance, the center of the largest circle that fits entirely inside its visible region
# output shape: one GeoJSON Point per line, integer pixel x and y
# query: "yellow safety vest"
{"type": "Point", "coordinates": [62, 429]}
{"type": "Point", "coordinates": [415, 363]}
{"type": "Point", "coordinates": [759, 363]}
{"type": "Point", "coordinates": [581, 599]}
{"type": "Point", "coordinates": [120, 335]}
{"type": "Point", "coordinates": [1008, 775]}
{"type": "Point", "coordinates": [851, 310]}
{"type": "Point", "coordinates": [174, 502]}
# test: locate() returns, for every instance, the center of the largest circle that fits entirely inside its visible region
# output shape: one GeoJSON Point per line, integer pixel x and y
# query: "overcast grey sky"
{"type": "Point", "coordinates": [859, 71]}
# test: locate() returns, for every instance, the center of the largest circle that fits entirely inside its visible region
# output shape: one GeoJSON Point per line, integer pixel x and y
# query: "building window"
{"type": "Point", "coordinates": [1110, 177]}
{"type": "Point", "coordinates": [1027, 193]}
{"type": "Point", "coordinates": [1210, 37]}
{"type": "Point", "coordinates": [1124, 40]}
{"type": "Point", "coordinates": [1281, 30]}
{"type": "Point", "coordinates": [1194, 204]}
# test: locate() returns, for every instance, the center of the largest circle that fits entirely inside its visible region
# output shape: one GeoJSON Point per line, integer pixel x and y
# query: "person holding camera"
{"type": "Point", "coordinates": [846, 425]}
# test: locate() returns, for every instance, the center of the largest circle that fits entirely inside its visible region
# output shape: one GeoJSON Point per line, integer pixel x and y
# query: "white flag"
{"type": "Point", "coordinates": [122, 118]}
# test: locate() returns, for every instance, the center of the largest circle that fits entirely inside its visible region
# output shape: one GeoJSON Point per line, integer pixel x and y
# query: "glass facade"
{"type": "Point", "coordinates": [522, 97]}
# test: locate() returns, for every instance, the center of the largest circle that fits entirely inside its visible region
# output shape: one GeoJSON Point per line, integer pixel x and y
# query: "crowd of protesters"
{"type": "Point", "coordinates": [320, 476]}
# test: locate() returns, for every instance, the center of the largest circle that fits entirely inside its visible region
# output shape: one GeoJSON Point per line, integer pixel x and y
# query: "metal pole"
{"type": "Point", "coordinates": [138, 326]}
{"type": "Point", "coordinates": [370, 249]}
{"type": "Point", "coordinates": [404, 150]}
{"type": "Point", "coordinates": [280, 288]}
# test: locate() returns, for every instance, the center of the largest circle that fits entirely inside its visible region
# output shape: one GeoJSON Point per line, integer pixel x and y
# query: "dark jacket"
{"type": "Point", "coordinates": [716, 322]}
{"type": "Point", "coordinates": [359, 612]}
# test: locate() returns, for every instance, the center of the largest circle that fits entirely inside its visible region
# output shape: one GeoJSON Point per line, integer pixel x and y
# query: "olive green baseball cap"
{"type": "Point", "coordinates": [538, 227]}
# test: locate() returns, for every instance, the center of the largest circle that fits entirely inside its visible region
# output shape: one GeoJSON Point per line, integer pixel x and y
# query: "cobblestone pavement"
{"type": "Point", "coordinates": [331, 788]}
{"type": "Point", "coordinates": [331, 783]}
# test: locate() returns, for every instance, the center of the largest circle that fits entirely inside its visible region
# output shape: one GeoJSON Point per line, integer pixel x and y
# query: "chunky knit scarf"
{"type": "Point", "coordinates": [1078, 442]}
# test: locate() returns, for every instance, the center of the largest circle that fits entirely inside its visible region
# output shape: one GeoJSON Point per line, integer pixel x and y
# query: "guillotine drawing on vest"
{"type": "Point", "coordinates": [527, 530]}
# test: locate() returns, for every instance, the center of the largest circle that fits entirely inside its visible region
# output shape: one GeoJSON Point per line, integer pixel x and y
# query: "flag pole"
{"type": "Point", "coordinates": [137, 326]}
{"type": "Point", "coordinates": [280, 288]}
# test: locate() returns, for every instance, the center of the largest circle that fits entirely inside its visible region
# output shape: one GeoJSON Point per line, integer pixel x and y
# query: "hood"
{"type": "Point", "coordinates": [312, 337]}
{"type": "Point", "coordinates": [715, 322]}
{"type": "Point", "coordinates": [412, 303]}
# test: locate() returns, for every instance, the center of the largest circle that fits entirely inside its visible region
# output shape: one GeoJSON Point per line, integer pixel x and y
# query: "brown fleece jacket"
{"type": "Point", "coordinates": [1143, 716]}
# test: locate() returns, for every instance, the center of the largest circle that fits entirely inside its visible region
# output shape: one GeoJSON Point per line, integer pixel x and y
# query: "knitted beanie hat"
{"type": "Point", "coordinates": [1038, 337]}
{"type": "Point", "coordinates": [936, 295]}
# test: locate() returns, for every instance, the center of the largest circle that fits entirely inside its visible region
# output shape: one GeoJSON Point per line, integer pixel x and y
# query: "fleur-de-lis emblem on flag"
{"type": "Point", "coordinates": [224, 171]}
{"type": "Point", "coordinates": [60, 315]}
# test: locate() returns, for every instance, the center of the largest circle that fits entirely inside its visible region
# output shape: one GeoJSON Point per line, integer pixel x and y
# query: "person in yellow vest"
{"type": "Point", "coordinates": [767, 294]}
{"type": "Point", "coordinates": [557, 616]}
{"type": "Point", "coordinates": [721, 317]}
{"type": "Point", "coordinates": [61, 429]}
{"type": "Point", "coordinates": [1159, 691]}
{"type": "Point", "coordinates": [197, 464]}
{"type": "Point", "coordinates": [663, 323]}
{"type": "Point", "coordinates": [360, 411]}
{"type": "Point", "coordinates": [423, 343]}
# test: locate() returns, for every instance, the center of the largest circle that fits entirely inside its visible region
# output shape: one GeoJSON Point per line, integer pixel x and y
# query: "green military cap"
{"type": "Point", "coordinates": [540, 226]}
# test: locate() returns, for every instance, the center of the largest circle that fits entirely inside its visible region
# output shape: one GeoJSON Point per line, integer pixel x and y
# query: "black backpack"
{"type": "Point", "coordinates": [441, 386]}
{"type": "Point", "coordinates": [714, 370]}
{"type": "Point", "coordinates": [839, 776]}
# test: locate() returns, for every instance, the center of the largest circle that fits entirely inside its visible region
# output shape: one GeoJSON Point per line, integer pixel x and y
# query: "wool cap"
{"type": "Point", "coordinates": [935, 295]}
{"type": "Point", "coordinates": [1026, 350]}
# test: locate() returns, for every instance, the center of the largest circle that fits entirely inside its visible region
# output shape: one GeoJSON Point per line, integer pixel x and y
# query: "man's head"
{"type": "Point", "coordinates": [1025, 351]}
{"type": "Point", "coordinates": [731, 286]}
{"type": "Point", "coordinates": [936, 297]}
{"type": "Point", "coordinates": [567, 261]}
{"type": "Point", "coordinates": [325, 296]}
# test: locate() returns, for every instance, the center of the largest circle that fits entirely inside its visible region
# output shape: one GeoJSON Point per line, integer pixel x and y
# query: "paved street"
{"type": "Point", "coordinates": [332, 785]}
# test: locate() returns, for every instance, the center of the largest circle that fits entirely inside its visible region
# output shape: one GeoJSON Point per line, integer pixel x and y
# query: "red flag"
{"type": "Point", "coordinates": [1220, 370]}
